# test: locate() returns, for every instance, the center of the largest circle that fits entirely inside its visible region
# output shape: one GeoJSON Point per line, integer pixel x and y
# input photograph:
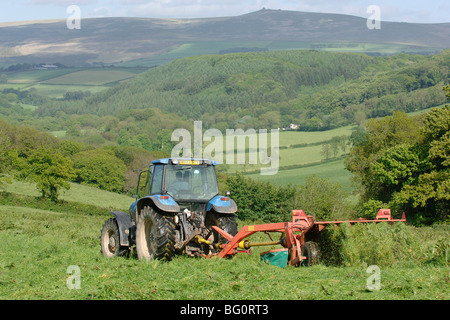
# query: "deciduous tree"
{"type": "Point", "coordinates": [50, 170]}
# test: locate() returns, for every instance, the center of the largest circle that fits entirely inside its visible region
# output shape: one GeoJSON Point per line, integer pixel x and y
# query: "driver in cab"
{"type": "Point", "coordinates": [179, 184]}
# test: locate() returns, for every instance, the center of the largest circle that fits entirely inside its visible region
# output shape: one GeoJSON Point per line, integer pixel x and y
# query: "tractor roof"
{"type": "Point", "coordinates": [191, 161]}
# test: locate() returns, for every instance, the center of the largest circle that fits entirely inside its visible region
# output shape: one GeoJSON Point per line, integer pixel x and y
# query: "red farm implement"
{"type": "Point", "coordinates": [292, 236]}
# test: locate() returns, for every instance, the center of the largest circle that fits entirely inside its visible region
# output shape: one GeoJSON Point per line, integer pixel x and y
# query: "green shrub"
{"type": "Point", "coordinates": [100, 168]}
{"type": "Point", "coordinates": [378, 244]}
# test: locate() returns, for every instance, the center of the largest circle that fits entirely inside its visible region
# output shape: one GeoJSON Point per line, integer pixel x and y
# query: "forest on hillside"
{"type": "Point", "coordinates": [272, 89]}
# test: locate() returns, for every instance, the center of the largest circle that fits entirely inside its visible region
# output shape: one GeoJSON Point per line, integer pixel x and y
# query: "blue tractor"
{"type": "Point", "coordinates": [175, 215]}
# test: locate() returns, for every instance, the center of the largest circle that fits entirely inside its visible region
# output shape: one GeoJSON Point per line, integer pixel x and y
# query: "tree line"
{"type": "Point", "coordinates": [403, 163]}
{"type": "Point", "coordinates": [29, 155]}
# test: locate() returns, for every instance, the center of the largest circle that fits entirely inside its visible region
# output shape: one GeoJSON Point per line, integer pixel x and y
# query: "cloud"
{"type": "Point", "coordinates": [101, 12]}
{"type": "Point", "coordinates": [63, 3]}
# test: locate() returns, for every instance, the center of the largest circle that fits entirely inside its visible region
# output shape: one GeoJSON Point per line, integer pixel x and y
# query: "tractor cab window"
{"type": "Point", "coordinates": [191, 182]}
{"type": "Point", "coordinates": [156, 179]}
{"type": "Point", "coordinates": [148, 181]}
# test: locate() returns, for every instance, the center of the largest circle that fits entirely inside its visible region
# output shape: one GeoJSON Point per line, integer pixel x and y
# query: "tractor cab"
{"type": "Point", "coordinates": [189, 180]}
{"type": "Point", "coordinates": [173, 185]}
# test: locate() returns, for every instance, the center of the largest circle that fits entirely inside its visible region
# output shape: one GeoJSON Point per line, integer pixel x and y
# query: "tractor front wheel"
{"type": "Point", "coordinates": [155, 235]}
{"type": "Point", "coordinates": [311, 252]}
{"type": "Point", "coordinates": [110, 240]}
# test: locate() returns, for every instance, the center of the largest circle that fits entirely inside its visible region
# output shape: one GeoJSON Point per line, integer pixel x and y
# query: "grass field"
{"type": "Point", "coordinates": [299, 157]}
{"type": "Point", "coordinates": [92, 77]}
{"type": "Point", "coordinates": [332, 170]}
{"type": "Point", "coordinates": [289, 138]}
{"type": "Point", "coordinates": [40, 246]}
{"type": "Point", "coordinates": [36, 75]}
{"type": "Point", "coordinates": [77, 193]}
{"type": "Point", "coordinates": [54, 83]}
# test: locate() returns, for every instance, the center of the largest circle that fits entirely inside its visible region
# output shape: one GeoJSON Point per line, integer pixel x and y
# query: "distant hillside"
{"type": "Point", "coordinates": [317, 90]}
{"type": "Point", "coordinates": [153, 41]}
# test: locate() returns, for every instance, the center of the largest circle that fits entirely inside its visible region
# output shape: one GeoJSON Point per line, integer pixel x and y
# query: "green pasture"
{"type": "Point", "coordinates": [14, 85]}
{"type": "Point", "coordinates": [59, 134]}
{"type": "Point", "coordinates": [57, 91]}
{"type": "Point", "coordinates": [291, 159]}
{"type": "Point", "coordinates": [40, 248]}
{"type": "Point", "coordinates": [92, 77]}
{"type": "Point", "coordinates": [55, 83]}
{"type": "Point", "coordinates": [300, 155]}
{"type": "Point", "coordinates": [333, 170]}
{"type": "Point", "coordinates": [77, 193]}
{"type": "Point", "coordinates": [32, 76]}
{"type": "Point", "coordinates": [28, 106]}
{"type": "Point", "coordinates": [290, 138]}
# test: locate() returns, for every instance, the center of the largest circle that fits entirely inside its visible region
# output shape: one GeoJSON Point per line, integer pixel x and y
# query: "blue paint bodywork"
{"type": "Point", "coordinates": [222, 204]}
{"type": "Point", "coordinates": [217, 202]}
{"type": "Point", "coordinates": [160, 201]}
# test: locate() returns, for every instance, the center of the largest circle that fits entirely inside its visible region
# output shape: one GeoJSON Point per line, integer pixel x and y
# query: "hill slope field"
{"type": "Point", "coordinates": [115, 40]}
{"type": "Point", "coordinates": [317, 90]}
{"type": "Point", "coordinates": [41, 247]}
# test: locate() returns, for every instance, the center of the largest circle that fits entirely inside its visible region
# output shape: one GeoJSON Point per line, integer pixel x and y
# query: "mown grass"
{"type": "Point", "coordinates": [38, 246]}
{"type": "Point", "coordinates": [40, 240]}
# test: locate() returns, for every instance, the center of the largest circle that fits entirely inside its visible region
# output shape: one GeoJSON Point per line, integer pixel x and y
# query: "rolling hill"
{"type": "Point", "coordinates": [317, 90]}
{"type": "Point", "coordinates": [148, 42]}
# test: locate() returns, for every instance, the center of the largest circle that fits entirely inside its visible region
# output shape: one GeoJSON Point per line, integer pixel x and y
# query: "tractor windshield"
{"type": "Point", "coordinates": [191, 182]}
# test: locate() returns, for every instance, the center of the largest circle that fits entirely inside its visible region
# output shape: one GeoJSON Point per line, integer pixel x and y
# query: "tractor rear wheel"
{"type": "Point", "coordinates": [155, 235]}
{"type": "Point", "coordinates": [226, 222]}
{"type": "Point", "coordinates": [110, 240]}
{"type": "Point", "coordinates": [311, 252]}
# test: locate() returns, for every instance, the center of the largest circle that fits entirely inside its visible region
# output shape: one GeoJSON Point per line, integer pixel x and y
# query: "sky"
{"type": "Point", "coordinates": [418, 11]}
